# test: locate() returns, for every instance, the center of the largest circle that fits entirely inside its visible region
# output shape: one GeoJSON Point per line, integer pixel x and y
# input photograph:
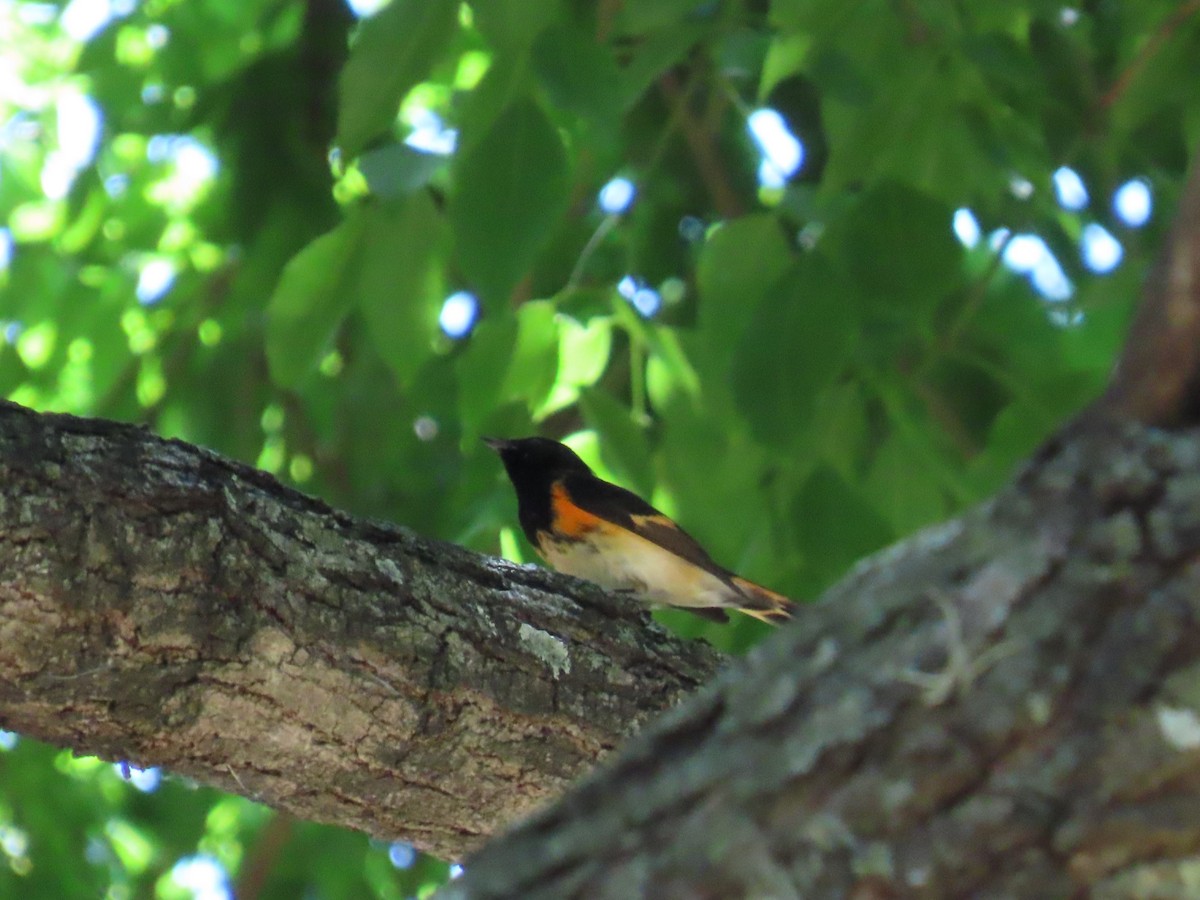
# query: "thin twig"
{"type": "Point", "coordinates": [700, 141]}
{"type": "Point", "coordinates": [264, 856]}
{"type": "Point", "coordinates": [1148, 51]}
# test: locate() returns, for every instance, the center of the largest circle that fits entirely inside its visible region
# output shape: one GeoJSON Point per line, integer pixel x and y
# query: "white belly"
{"type": "Point", "coordinates": [643, 567]}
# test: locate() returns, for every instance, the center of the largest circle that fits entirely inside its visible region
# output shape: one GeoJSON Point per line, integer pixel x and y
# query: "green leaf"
{"type": "Point", "coordinates": [1007, 65]}
{"type": "Point", "coordinates": [506, 79]}
{"type": "Point", "coordinates": [583, 352]}
{"type": "Point", "coordinates": [309, 302]}
{"type": "Point", "coordinates": [904, 489]}
{"type": "Point", "coordinates": [481, 369]}
{"type": "Point", "coordinates": [401, 286]}
{"type": "Point", "coordinates": [712, 481]}
{"type": "Point", "coordinates": [839, 433]}
{"type": "Point", "coordinates": [655, 54]}
{"type": "Point", "coordinates": [898, 246]}
{"type": "Point", "coordinates": [737, 266]}
{"type": "Point", "coordinates": [512, 25]}
{"type": "Point", "coordinates": [1092, 345]}
{"type": "Point", "coordinates": [394, 50]}
{"type": "Point", "coordinates": [509, 359]}
{"type": "Point", "coordinates": [511, 188]}
{"type": "Point", "coordinates": [797, 343]}
{"type": "Point", "coordinates": [1068, 81]}
{"type": "Point", "coordinates": [836, 524]}
{"type": "Point", "coordinates": [640, 16]}
{"type": "Point", "coordinates": [908, 125]}
{"type": "Point", "coordinates": [622, 440]}
{"type": "Point", "coordinates": [579, 74]}
{"type": "Point", "coordinates": [670, 375]}
{"type": "Point", "coordinates": [534, 357]}
{"type": "Point", "coordinates": [395, 169]}
{"type": "Point", "coordinates": [1016, 433]}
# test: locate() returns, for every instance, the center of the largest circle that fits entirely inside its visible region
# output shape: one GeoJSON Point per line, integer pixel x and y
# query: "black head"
{"type": "Point", "coordinates": [536, 462]}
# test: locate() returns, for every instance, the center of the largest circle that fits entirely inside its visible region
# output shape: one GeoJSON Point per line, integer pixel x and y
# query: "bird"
{"type": "Point", "coordinates": [590, 528]}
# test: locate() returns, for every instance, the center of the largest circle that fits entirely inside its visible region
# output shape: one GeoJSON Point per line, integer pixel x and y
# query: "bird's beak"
{"type": "Point", "coordinates": [496, 444]}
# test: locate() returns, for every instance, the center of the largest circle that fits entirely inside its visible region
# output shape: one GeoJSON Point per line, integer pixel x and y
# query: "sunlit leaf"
{"type": "Point", "coordinates": [584, 349]}
{"type": "Point", "coordinates": [312, 297]}
{"type": "Point", "coordinates": [393, 51]}
{"type": "Point", "coordinates": [401, 288]}
{"type": "Point", "coordinates": [507, 79]}
{"type": "Point", "coordinates": [583, 352]}
{"type": "Point", "coordinates": [533, 362]}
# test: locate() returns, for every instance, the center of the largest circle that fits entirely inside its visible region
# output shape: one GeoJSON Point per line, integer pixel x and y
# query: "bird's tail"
{"type": "Point", "coordinates": [764, 604]}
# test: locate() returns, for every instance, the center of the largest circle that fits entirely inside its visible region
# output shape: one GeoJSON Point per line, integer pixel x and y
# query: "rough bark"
{"type": "Point", "coordinates": [1007, 705]}
{"type": "Point", "coordinates": [165, 606]}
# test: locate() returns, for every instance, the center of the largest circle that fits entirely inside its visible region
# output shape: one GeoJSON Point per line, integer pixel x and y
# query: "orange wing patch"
{"type": "Point", "coordinates": [570, 521]}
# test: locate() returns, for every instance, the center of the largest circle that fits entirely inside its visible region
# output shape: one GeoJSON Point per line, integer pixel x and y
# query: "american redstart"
{"type": "Point", "coordinates": [589, 528]}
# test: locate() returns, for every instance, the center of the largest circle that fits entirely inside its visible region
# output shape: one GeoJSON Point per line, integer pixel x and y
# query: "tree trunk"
{"type": "Point", "coordinates": [162, 605]}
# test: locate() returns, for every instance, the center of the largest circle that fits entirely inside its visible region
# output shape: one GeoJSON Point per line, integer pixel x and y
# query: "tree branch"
{"type": "Point", "coordinates": [1156, 379]}
{"type": "Point", "coordinates": [725, 199]}
{"type": "Point", "coordinates": [166, 606]}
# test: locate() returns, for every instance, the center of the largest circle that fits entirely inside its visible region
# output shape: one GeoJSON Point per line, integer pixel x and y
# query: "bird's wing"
{"type": "Point", "coordinates": [614, 504]}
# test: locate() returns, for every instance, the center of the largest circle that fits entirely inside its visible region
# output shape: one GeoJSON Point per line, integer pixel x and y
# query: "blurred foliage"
{"type": "Point", "coordinates": [237, 221]}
